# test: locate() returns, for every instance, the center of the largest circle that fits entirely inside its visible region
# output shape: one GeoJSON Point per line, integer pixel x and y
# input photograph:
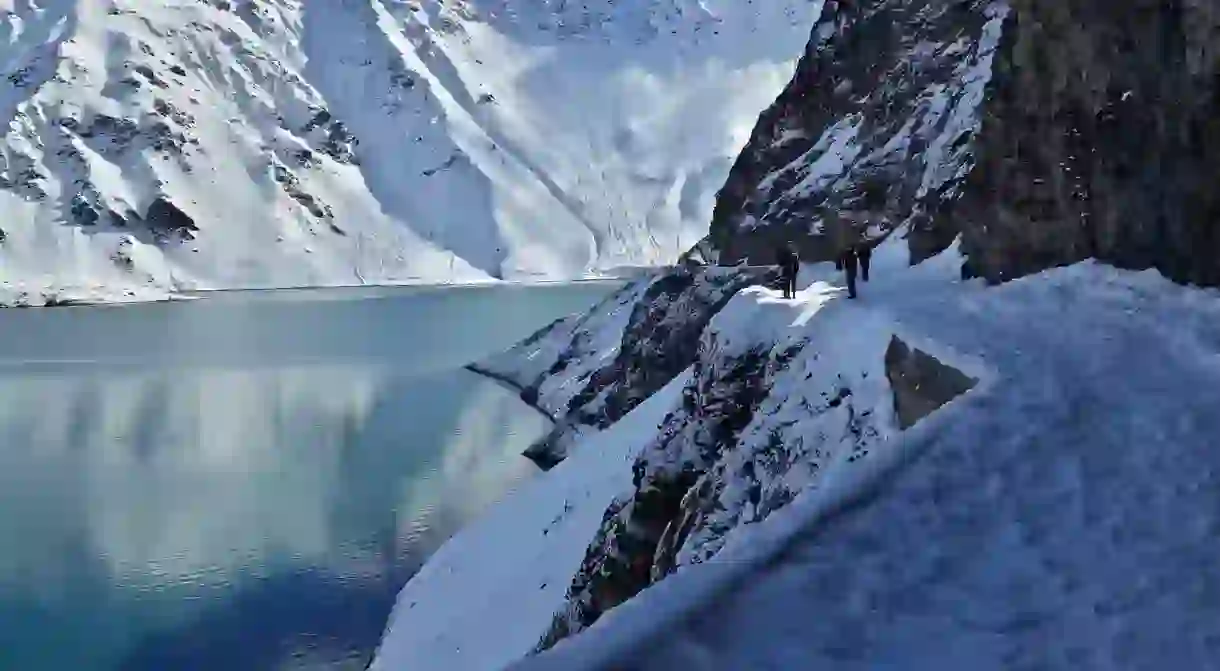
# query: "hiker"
{"type": "Point", "coordinates": [785, 258]}
{"type": "Point", "coordinates": [794, 268]}
{"type": "Point", "coordinates": [865, 252]}
{"type": "Point", "coordinates": [782, 261]}
{"type": "Point", "coordinates": [849, 267]}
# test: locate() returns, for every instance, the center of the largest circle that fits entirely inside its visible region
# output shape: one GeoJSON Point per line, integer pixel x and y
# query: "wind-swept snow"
{"type": "Point", "coordinates": [487, 595]}
{"type": "Point", "coordinates": [1062, 515]}
{"type": "Point", "coordinates": [182, 144]}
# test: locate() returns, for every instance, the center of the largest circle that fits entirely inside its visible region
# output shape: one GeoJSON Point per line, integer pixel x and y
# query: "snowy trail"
{"type": "Point", "coordinates": [1028, 532]}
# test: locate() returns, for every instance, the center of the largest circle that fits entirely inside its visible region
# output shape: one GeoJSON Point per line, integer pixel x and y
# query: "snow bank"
{"type": "Point", "coordinates": [488, 594]}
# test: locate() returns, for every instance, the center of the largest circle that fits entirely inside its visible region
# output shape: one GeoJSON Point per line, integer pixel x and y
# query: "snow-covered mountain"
{"type": "Point", "coordinates": [223, 143]}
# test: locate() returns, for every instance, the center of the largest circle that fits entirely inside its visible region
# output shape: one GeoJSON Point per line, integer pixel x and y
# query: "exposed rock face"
{"type": "Point", "coordinates": [872, 132]}
{"type": "Point", "coordinates": [601, 365]}
{"type": "Point", "coordinates": [640, 535]}
{"type": "Point", "coordinates": [1096, 137]}
{"type": "Point", "coordinates": [921, 383]}
{"type": "Point", "coordinates": [166, 219]}
{"type": "Point", "coordinates": [1101, 139]}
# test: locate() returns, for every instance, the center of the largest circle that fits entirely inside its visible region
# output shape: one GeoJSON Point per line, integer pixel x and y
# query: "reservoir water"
{"type": "Point", "coordinates": [244, 481]}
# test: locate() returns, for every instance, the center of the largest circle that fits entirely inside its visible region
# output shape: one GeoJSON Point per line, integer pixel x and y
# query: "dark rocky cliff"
{"type": "Point", "coordinates": [1090, 130]}
{"type": "Point", "coordinates": [873, 132]}
{"type": "Point", "coordinates": [1101, 139]}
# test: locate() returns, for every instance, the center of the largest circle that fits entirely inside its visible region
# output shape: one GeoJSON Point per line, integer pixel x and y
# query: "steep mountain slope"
{"type": "Point", "coordinates": [1100, 140]}
{"type": "Point", "coordinates": [191, 143]}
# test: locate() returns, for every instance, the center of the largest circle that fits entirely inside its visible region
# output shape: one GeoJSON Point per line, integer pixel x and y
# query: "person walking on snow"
{"type": "Point", "coordinates": [794, 268]}
{"type": "Point", "coordinates": [781, 260]}
{"type": "Point", "coordinates": [849, 267]}
{"type": "Point", "coordinates": [785, 259]}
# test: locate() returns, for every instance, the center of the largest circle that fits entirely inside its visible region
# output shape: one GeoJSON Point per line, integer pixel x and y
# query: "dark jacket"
{"type": "Point", "coordinates": [848, 259]}
{"type": "Point", "coordinates": [783, 257]}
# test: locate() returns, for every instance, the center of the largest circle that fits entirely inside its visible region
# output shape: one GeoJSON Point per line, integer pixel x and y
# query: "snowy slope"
{"type": "Point", "coordinates": [1087, 379]}
{"type": "Point", "coordinates": [1061, 515]}
{"type": "Point", "coordinates": [184, 143]}
{"type": "Point", "coordinates": [485, 597]}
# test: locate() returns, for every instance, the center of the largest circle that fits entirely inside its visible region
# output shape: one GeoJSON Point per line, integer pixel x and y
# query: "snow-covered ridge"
{"type": "Point", "coordinates": [186, 144]}
{"type": "Point", "coordinates": [589, 370]}
{"type": "Point", "coordinates": [795, 423]}
{"type": "Point", "coordinates": [771, 400]}
{"type": "Point", "coordinates": [778, 395]}
{"type": "Point", "coordinates": [1056, 517]}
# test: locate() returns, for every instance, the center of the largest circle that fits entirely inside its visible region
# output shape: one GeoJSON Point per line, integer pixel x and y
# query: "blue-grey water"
{"type": "Point", "coordinates": [244, 482]}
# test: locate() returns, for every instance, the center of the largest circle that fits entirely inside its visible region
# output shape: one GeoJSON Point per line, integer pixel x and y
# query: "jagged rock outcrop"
{"type": "Point", "coordinates": [590, 370]}
{"type": "Point", "coordinates": [920, 382]}
{"type": "Point", "coordinates": [1041, 132]}
{"type": "Point", "coordinates": [167, 220]}
{"type": "Point", "coordinates": [873, 132]}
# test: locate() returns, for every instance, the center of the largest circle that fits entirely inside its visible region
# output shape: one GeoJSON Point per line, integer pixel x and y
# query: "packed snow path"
{"type": "Point", "coordinates": [1064, 517]}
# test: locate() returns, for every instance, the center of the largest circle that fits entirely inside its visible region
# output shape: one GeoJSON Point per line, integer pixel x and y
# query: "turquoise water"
{"type": "Point", "coordinates": [245, 481]}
